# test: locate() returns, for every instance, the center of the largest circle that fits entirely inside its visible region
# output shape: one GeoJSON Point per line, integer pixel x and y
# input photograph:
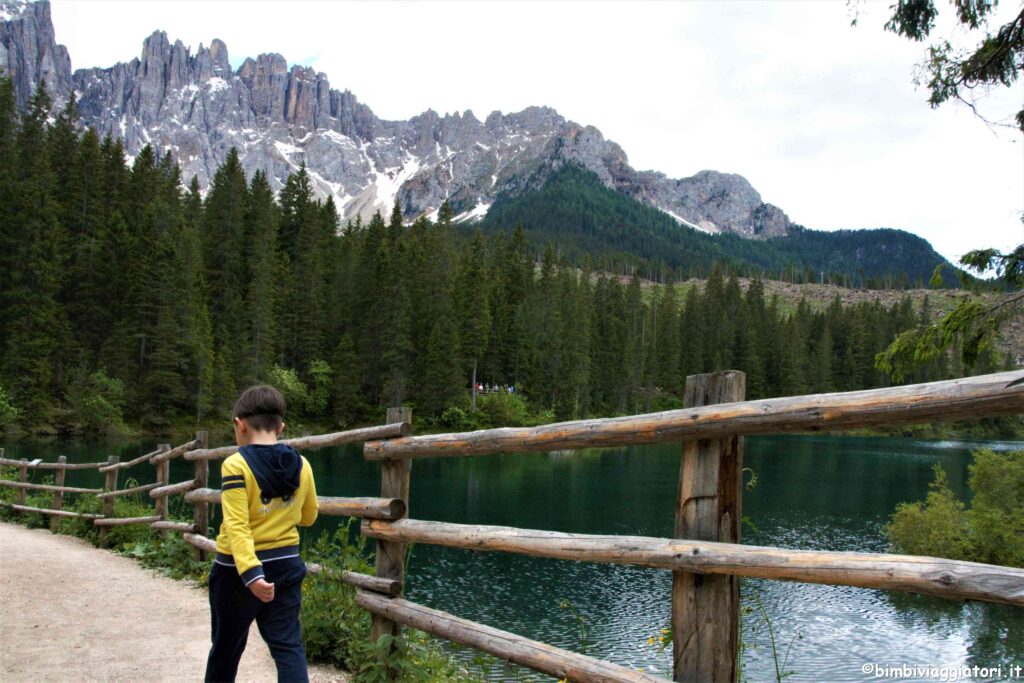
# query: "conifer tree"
{"type": "Point", "coordinates": [35, 328]}
{"type": "Point", "coordinates": [264, 273]}
{"type": "Point", "coordinates": [225, 248]}
{"type": "Point", "coordinates": [346, 397]}
{"type": "Point", "coordinates": [472, 283]}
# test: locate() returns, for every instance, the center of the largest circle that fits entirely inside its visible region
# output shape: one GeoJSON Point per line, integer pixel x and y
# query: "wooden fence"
{"type": "Point", "coordinates": [705, 556]}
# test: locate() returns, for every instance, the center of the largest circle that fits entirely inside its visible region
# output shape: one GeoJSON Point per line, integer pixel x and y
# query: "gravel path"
{"type": "Point", "coordinates": [72, 612]}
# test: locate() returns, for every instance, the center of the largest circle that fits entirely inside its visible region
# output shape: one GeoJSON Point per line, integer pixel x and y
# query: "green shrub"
{"type": "Point", "coordinates": [118, 537]}
{"type": "Point", "coordinates": [332, 624]}
{"type": "Point", "coordinates": [8, 413]}
{"type": "Point", "coordinates": [990, 531]}
{"type": "Point", "coordinates": [337, 631]}
{"type": "Point", "coordinates": [936, 527]}
{"type": "Point", "coordinates": [97, 404]}
{"type": "Point", "coordinates": [503, 410]}
{"type": "Point", "coordinates": [288, 383]}
{"type": "Point", "coordinates": [455, 418]}
{"type": "Point", "coordinates": [319, 396]}
{"type": "Point", "coordinates": [996, 516]}
{"type": "Point", "coordinates": [173, 556]}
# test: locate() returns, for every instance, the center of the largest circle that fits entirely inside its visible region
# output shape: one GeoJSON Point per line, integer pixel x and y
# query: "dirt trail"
{"type": "Point", "coordinates": [72, 612]}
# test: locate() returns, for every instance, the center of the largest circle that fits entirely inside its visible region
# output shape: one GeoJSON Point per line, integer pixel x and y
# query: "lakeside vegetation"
{"type": "Point", "coordinates": [989, 530]}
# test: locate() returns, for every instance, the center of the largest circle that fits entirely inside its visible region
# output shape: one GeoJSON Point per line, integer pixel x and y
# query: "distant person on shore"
{"type": "Point", "coordinates": [267, 490]}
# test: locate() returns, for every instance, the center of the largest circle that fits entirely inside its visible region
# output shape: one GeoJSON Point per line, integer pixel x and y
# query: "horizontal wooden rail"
{"type": "Point", "coordinates": [372, 508]}
{"type": "Point", "coordinates": [203, 496]}
{"type": "Point", "coordinates": [134, 489]}
{"type": "Point", "coordinates": [122, 521]}
{"type": "Point", "coordinates": [959, 399]}
{"type": "Point", "coordinates": [209, 545]}
{"type": "Point", "coordinates": [388, 431]}
{"type": "Point", "coordinates": [553, 661]}
{"type": "Point", "coordinates": [173, 526]}
{"type": "Point", "coordinates": [372, 583]}
{"type": "Point", "coordinates": [171, 489]}
{"type": "Point", "coordinates": [55, 513]}
{"type": "Point", "coordinates": [45, 487]}
{"type": "Point", "coordinates": [40, 465]}
{"type": "Point", "coordinates": [932, 575]}
{"type": "Point", "coordinates": [174, 452]}
{"type": "Point", "coordinates": [128, 463]}
{"type": "Point", "coordinates": [201, 542]}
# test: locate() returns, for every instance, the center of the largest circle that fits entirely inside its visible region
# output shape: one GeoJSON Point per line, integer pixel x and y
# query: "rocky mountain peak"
{"type": "Point", "coordinates": [29, 53]}
{"type": "Point", "coordinates": [280, 118]}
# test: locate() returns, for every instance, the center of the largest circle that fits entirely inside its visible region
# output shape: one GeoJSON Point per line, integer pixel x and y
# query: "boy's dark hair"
{"type": "Point", "coordinates": [261, 406]}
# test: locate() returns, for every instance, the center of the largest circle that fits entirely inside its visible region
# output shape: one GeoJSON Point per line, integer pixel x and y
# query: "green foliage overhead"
{"type": "Point", "coordinates": [962, 75]}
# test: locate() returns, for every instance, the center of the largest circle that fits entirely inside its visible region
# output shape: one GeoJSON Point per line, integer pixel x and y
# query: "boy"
{"type": "Point", "coordinates": [267, 490]}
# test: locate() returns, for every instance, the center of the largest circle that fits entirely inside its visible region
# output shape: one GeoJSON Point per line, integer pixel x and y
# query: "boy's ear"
{"type": "Point", "coordinates": [280, 429]}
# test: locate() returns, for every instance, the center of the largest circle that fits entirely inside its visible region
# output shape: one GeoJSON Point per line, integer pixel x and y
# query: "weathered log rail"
{"type": "Point", "coordinates": [944, 578]}
{"type": "Point", "coordinates": [127, 492]}
{"type": "Point", "coordinates": [563, 664]}
{"type": "Point", "coordinates": [40, 465]}
{"type": "Point", "coordinates": [46, 487]}
{"type": "Point", "coordinates": [958, 399]}
{"type": "Point", "coordinates": [386, 431]}
{"type": "Point", "coordinates": [707, 543]}
{"type": "Point", "coordinates": [368, 508]}
{"type": "Point", "coordinates": [172, 489]}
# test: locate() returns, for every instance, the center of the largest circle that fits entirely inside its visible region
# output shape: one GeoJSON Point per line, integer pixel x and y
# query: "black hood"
{"type": "Point", "coordinates": [276, 468]}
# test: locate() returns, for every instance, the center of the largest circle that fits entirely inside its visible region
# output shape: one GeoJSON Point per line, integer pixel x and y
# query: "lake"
{"type": "Point", "coordinates": [812, 492]}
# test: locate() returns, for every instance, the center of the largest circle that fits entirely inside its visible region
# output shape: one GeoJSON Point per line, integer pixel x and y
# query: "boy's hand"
{"type": "Point", "coordinates": [262, 590]}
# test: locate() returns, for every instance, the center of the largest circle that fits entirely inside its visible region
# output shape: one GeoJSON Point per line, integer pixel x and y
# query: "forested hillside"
{"type": "Point", "coordinates": [588, 222]}
{"type": "Point", "coordinates": [126, 295]}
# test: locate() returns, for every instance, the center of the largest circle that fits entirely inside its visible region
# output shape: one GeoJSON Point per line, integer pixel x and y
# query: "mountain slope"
{"type": "Point", "coordinates": [573, 210]}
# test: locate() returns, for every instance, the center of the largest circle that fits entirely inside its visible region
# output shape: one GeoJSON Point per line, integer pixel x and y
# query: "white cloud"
{"type": "Point", "coordinates": [822, 118]}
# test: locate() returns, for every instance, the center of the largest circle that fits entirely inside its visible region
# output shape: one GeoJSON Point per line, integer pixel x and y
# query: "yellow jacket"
{"type": "Point", "coordinates": [254, 531]}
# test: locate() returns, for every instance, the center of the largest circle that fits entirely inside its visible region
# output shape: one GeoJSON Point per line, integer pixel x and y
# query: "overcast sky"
{"type": "Point", "coordinates": [821, 117]}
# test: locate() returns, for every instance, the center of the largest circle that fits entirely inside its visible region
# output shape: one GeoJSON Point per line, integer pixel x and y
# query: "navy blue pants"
{"type": "Point", "coordinates": [233, 608]}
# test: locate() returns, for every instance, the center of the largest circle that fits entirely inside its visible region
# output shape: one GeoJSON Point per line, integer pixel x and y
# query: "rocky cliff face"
{"type": "Point", "coordinates": [29, 53]}
{"type": "Point", "coordinates": [279, 117]}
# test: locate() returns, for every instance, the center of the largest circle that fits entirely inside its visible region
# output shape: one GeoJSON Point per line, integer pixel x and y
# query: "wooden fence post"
{"type": "Point", "coordinates": [202, 514]}
{"type": "Point", "coordinates": [394, 477]}
{"type": "Point", "coordinates": [706, 608]}
{"type": "Point", "coordinates": [109, 484]}
{"type": "Point", "coordinates": [22, 477]}
{"type": "Point", "coordinates": [163, 470]}
{"type": "Point", "coordinates": [58, 496]}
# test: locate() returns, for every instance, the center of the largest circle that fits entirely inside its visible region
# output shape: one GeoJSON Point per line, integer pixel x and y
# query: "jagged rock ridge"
{"type": "Point", "coordinates": [198, 107]}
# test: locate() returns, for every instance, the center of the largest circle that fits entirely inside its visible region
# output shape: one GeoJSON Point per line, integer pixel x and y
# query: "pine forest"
{"type": "Point", "coordinates": [127, 295]}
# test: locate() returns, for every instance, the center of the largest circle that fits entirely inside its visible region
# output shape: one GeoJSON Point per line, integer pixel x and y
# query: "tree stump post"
{"type": "Point", "coordinates": [202, 509]}
{"type": "Point", "coordinates": [58, 496]}
{"type": "Point", "coordinates": [109, 484]}
{"type": "Point", "coordinates": [163, 471]}
{"type": "Point", "coordinates": [706, 608]}
{"type": "Point", "coordinates": [390, 555]}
